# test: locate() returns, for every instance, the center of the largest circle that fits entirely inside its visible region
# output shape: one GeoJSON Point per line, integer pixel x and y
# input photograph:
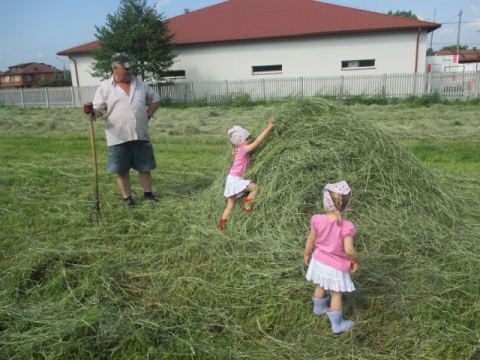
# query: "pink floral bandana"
{"type": "Point", "coordinates": [237, 135]}
{"type": "Point", "coordinates": [339, 188]}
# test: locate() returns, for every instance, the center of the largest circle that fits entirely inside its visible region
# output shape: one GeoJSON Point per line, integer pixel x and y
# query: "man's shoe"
{"type": "Point", "coordinates": [151, 198]}
{"type": "Point", "coordinates": [129, 202]}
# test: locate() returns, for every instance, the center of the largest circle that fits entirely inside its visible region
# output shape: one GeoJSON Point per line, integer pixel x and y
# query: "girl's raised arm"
{"type": "Point", "coordinates": [258, 141]}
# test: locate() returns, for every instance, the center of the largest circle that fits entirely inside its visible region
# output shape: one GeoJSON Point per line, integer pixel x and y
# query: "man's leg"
{"type": "Point", "coordinates": [123, 181]}
{"type": "Point", "coordinates": [145, 180]}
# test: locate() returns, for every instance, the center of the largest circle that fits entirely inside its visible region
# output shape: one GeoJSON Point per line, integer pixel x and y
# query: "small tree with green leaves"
{"type": "Point", "coordinates": [454, 47]}
{"type": "Point", "coordinates": [142, 33]}
{"type": "Point", "coordinates": [403, 13]}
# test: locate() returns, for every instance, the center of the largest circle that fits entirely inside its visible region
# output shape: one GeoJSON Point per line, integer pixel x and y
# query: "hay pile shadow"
{"type": "Point", "coordinates": [397, 204]}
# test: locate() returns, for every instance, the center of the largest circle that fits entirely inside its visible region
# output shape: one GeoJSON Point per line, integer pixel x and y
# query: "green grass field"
{"type": "Point", "coordinates": [161, 282]}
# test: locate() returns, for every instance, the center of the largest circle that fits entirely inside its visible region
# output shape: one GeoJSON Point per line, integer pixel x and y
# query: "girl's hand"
{"type": "Point", "coordinates": [354, 267]}
{"type": "Point", "coordinates": [271, 123]}
{"type": "Point", "coordinates": [307, 258]}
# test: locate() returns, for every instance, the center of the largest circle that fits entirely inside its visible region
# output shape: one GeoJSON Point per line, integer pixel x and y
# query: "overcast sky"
{"type": "Point", "coordinates": [34, 30]}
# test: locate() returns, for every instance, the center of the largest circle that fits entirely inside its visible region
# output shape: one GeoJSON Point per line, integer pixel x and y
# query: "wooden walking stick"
{"type": "Point", "coordinates": [88, 109]}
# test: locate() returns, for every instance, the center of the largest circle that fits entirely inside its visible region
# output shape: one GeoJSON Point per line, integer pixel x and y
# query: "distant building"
{"type": "Point", "coordinates": [449, 61]}
{"type": "Point", "coordinates": [29, 75]}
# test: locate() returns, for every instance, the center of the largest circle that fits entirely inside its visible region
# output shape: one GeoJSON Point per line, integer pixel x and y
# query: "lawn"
{"type": "Point", "coordinates": [161, 282]}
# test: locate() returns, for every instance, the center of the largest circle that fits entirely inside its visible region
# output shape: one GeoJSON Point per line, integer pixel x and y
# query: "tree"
{"type": "Point", "coordinates": [454, 47]}
{"type": "Point", "coordinates": [142, 33]}
{"type": "Point", "coordinates": [407, 14]}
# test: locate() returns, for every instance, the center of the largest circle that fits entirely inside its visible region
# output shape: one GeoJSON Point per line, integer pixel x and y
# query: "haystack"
{"type": "Point", "coordinates": [397, 203]}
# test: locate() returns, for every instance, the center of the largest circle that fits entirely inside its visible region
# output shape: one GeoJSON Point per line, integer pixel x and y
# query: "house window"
{"type": "Point", "coordinates": [41, 76]}
{"type": "Point", "coordinates": [266, 69]}
{"type": "Point", "coordinates": [7, 79]}
{"type": "Point", "coordinates": [358, 64]}
{"type": "Point", "coordinates": [174, 74]}
{"type": "Point", "coordinates": [17, 78]}
{"type": "Point", "coordinates": [28, 78]}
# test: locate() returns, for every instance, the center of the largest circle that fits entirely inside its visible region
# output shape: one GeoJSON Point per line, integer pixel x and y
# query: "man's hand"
{"type": "Point", "coordinates": [88, 108]}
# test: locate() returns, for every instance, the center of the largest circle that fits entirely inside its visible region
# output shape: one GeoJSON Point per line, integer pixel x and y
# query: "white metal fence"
{"type": "Point", "coordinates": [454, 85]}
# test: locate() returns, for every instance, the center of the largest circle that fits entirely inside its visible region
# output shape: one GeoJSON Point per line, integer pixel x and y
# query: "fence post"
{"type": "Point", "coordinates": [73, 96]}
{"type": "Point", "coordinates": [429, 84]}
{"type": "Point", "coordinates": [342, 84]}
{"type": "Point", "coordinates": [264, 95]}
{"type": "Point", "coordinates": [301, 87]}
{"type": "Point", "coordinates": [384, 85]}
{"type": "Point", "coordinates": [22, 96]}
{"type": "Point", "coordinates": [46, 97]}
{"type": "Point", "coordinates": [193, 91]}
{"type": "Point", "coordinates": [477, 78]}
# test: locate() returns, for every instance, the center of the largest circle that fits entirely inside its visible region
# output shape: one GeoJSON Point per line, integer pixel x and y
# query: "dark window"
{"type": "Point", "coordinates": [174, 74]}
{"type": "Point", "coordinates": [346, 64]}
{"type": "Point", "coordinates": [266, 69]}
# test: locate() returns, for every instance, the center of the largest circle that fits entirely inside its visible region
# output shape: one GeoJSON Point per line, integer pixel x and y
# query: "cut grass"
{"type": "Point", "coordinates": [163, 282]}
{"type": "Point", "coordinates": [448, 153]}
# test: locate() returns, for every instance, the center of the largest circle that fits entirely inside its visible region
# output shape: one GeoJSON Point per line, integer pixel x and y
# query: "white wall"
{"type": "Point", "coordinates": [394, 52]}
{"type": "Point", "coordinates": [82, 64]}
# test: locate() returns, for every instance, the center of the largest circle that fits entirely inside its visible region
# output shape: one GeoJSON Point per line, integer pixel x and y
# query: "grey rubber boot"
{"type": "Point", "coordinates": [320, 306]}
{"type": "Point", "coordinates": [339, 325]}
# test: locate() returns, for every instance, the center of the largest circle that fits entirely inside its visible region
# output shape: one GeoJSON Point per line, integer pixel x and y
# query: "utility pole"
{"type": "Point", "coordinates": [431, 35]}
{"type": "Point", "coordinates": [64, 74]}
{"type": "Point", "coordinates": [458, 33]}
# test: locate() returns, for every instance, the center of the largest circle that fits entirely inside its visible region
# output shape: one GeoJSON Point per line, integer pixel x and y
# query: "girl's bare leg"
{"type": "Point", "coordinates": [319, 293]}
{"type": "Point", "coordinates": [336, 302]}
{"type": "Point", "coordinates": [230, 203]}
{"type": "Point", "coordinates": [252, 190]}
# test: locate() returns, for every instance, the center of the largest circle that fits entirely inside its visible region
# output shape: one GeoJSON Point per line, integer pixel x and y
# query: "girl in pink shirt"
{"type": "Point", "coordinates": [236, 185]}
{"type": "Point", "coordinates": [331, 256]}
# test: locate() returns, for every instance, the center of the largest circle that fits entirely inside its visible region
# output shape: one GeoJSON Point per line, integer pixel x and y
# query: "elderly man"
{"type": "Point", "coordinates": [128, 104]}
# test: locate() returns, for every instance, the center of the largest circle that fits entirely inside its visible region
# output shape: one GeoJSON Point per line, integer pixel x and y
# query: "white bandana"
{"type": "Point", "coordinates": [338, 188]}
{"type": "Point", "coordinates": [237, 135]}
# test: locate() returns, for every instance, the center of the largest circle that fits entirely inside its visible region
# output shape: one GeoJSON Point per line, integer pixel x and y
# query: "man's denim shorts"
{"type": "Point", "coordinates": [137, 155]}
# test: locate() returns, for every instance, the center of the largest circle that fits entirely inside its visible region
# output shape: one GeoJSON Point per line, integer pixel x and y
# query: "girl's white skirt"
{"type": "Point", "coordinates": [235, 186]}
{"type": "Point", "coordinates": [329, 278]}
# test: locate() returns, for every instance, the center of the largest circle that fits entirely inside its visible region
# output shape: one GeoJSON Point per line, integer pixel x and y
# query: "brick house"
{"type": "Point", "coordinates": [28, 75]}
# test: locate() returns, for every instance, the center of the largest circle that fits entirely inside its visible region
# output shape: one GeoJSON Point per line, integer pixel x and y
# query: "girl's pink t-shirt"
{"type": "Point", "coordinates": [241, 163]}
{"type": "Point", "coordinates": [329, 241]}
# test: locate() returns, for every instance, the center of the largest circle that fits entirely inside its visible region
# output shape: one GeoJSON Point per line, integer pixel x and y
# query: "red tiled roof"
{"type": "Point", "coordinates": [466, 56]}
{"type": "Point", "coordinates": [237, 20]}
{"type": "Point", "coordinates": [30, 68]}
{"type": "Point", "coordinates": [85, 48]}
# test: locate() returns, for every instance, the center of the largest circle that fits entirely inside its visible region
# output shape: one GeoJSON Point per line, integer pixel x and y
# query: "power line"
{"type": "Point", "coordinates": [462, 22]}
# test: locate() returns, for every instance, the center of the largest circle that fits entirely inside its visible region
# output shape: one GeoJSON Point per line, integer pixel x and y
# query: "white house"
{"type": "Point", "coordinates": [251, 39]}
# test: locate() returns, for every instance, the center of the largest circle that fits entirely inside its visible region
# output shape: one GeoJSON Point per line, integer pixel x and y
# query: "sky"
{"type": "Point", "coordinates": [35, 31]}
